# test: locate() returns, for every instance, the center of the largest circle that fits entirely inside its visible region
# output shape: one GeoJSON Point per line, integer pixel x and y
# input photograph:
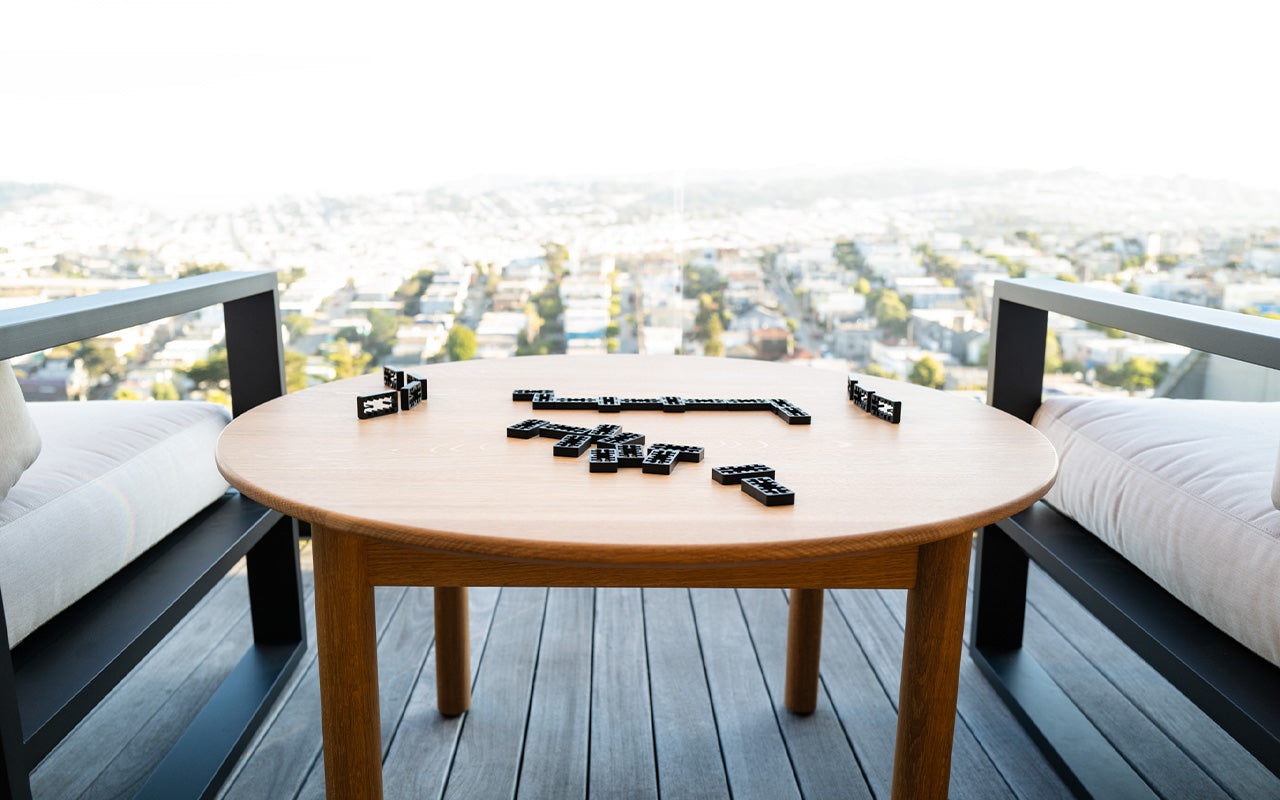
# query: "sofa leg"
{"type": "Point", "coordinates": [275, 586]}
{"type": "Point", "coordinates": [999, 601]}
{"type": "Point", "coordinates": [15, 780]}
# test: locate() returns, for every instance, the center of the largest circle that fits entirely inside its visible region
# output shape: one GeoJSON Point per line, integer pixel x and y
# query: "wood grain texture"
{"type": "Point", "coordinates": [989, 751]}
{"type": "Point", "coordinates": [444, 476]}
{"type": "Point", "coordinates": [453, 653]}
{"type": "Point", "coordinates": [348, 656]}
{"type": "Point", "coordinates": [755, 754]}
{"type": "Point", "coordinates": [289, 743]}
{"type": "Point", "coordinates": [390, 563]}
{"type": "Point", "coordinates": [684, 727]}
{"type": "Point", "coordinates": [622, 752]}
{"type": "Point", "coordinates": [420, 757]}
{"type": "Point", "coordinates": [820, 750]}
{"type": "Point", "coordinates": [1229, 764]}
{"type": "Point", "coordinates": [554, 763]}
{"type": "Point", "coordinates": [487, 760]}
{"type": "Point", "coordinates": [804, 649]}
{"type": "Point", "coordinates": [931, 671]}
{"type": "Point", "coordinates": [981, 710]}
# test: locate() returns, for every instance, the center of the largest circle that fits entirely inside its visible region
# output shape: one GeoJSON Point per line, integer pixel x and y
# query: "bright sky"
{"type": "Point", "coordinates": [232, 98]}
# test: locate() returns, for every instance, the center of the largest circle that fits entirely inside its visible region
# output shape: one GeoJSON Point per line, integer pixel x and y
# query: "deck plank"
{"type": "Point", "coordinates": [858, 696]}
{"type": "Point", "coordinates": [820, 753]}
{"type": "Point", "coordinates": [487, 760]}
{"type": "Point", "coordinates": [554, 763]}
{"type": "Point", "coordinates": [972, 773]}
{"type": "Point", "coordinates": [279, 763]}
{"type": "Point", "coordinates": [755, 754]}
{"type": "Point", "coordinates": [115, 729]}
{"type": "Point", "coordinates": [623, 763]}
{"type": "Point", "coordinates": [1155, 757]}
{"type": "Point", "coordinates": [1001, 736]}
{"type": "Point", "coordinates": [1207, 744]}
{"type": "Point", "coordinates": [417, 764]}
{"type": "Point", "coordinates": [646, 689]}
{"type": "Point", "coordinates": [684, 726]}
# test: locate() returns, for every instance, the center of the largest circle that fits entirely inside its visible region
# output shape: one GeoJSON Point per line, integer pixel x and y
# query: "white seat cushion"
{"type": "Point", "coordinates": [1182, 489]}
{"type": "Point", "coordinates": [112, 479]}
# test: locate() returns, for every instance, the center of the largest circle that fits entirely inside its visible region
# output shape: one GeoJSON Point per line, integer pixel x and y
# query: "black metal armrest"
{"type": "Point", "coordinates": [250, 309]}
{"type": "Point", "coordinates": [1019, 321]}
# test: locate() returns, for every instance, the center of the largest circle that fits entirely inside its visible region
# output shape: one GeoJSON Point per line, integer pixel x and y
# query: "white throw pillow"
{"type": "Point", "coordinates": [19, 439]}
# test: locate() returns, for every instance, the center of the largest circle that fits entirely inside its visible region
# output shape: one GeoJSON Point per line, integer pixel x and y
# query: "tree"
{"type": "Point", "coordinates": [297, 325]}
{"type": "Point", "coordinates": [927, 371]}
{"type": "Point", "coordinates": [163, 390]}
{"type": "Point", "coordinates": [876, 371]}
{"type": "Point", "coordinates": [863, 286]}
{"type": "Point", "coordinates": [1052, 351]}
{"type": "Point", "coordinates": [849, 257]}
{"type": "Point", "coordinates": [290, 276]}
{"type": "Point", "coordinates": [1112, 333]}
{"type": "Point", "coordinates": [715, 328]}
{"type": "Point", "coordinates": [63, 265]}
{"type": "Point", "coordinates": [381, 339]}
{"type": "Point", "coordinates": [1052, 355]}
{"type": "Point", "coordinates": [704, 281]}
{"type": "Point", "coordinates": [461, 344]}
{"type": "Point", "coordinates": [100, 360]}
{"type": "Point", "coordinates": [1136, 374]}
{"type": "Point", "coordinates": [190, 268]}
{"type": "Point", "coordinates": [892, 315]}
{"type": "Point", "coordinates": [556, 255]}
{"type": "Point", "coordinates": [411, 291]}
{"type": "Point", "coordinates": [211, 372]}
{"type": "Point", "coordinates": [295, 371]}
{"type": "Point", "coordinates": [346, 359]}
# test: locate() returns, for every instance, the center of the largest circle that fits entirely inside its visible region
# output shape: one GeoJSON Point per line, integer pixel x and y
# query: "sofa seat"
{"type": "Point", "coordinates": [1181, 489]}
{"type": "Point", "coordinates": [112, 479]}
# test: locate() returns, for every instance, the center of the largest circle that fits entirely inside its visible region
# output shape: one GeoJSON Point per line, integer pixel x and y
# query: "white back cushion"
{"type": "Point", "coordinates": [19, 439]}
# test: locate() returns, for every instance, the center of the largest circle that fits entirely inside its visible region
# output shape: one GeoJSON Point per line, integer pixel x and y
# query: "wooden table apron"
{"type": "Point", "coordinates": [438, 496]}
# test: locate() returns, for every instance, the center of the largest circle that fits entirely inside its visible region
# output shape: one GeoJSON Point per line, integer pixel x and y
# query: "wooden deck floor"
{"type": "Point", "coordinates": [621, 693]}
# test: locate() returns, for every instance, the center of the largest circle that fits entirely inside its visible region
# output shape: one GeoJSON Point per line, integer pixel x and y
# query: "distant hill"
{"type": "Point", "coordinates": [13, 195]}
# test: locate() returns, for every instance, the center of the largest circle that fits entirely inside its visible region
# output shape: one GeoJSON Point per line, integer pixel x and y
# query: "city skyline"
{"type": "Point", "coordinates": [230, 101]}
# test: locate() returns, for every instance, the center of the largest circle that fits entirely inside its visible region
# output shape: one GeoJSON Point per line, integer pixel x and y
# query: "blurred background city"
{"type": "Point", "coordinates": [836, 187]}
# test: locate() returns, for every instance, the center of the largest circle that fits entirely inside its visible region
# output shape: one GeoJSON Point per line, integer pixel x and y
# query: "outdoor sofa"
{"type": "Point", "coordinates": [1163, 523]}
{"type": "Point", "coordinates": [122, 523]}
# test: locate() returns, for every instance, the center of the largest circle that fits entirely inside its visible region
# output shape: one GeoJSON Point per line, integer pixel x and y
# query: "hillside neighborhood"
{"type": "Point", "coordinates": [895, 282]}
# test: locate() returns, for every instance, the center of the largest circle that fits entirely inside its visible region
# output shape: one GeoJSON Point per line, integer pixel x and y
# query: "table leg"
{"type": "Point", "coordinates": [453, 651]}
{"type": "Point", "coordinates": [347, 647]}
{"type": "Point", "coordinates": [931, 670]}
{"type": "Point", "coordinates": [804, 646]}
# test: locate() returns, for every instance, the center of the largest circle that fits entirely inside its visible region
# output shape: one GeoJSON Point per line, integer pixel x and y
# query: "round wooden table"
{"type": "Point", "coordinates": [440, 496]}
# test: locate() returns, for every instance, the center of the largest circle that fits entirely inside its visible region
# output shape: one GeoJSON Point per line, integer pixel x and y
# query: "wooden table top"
{"type": "Point", "coordinates": [444, 476]}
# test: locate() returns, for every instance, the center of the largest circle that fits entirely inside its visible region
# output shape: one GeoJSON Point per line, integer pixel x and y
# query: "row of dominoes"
{"type": "Point", "coordinates": [545, 399]}
{"type": "Point", "coordinates": [404, 391]}
{"type": "Point", "coordinates": [756, 480]}
{"type": "Point", "coordinates": [611, 447]}
{"type": "Point", "coordinates": [874, 404]}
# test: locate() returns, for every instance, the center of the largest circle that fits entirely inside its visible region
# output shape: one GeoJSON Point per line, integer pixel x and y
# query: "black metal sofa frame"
{"type": "Point", "coordinates": [58, 674]}
{"type": "Point", "coordinates": [1231, 684]}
